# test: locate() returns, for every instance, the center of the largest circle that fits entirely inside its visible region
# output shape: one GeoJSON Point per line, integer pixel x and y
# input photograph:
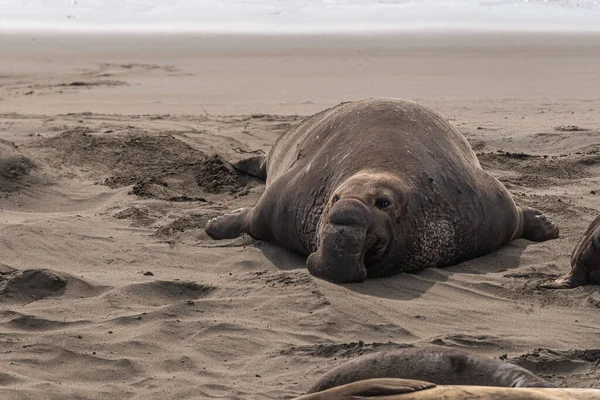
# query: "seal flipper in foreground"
{"type": "Point", "coordinates": [378, 389]}
{"type": "Point", "coordinates": [585, 261]}
{"type": "Point", "coordinates": [374, 388]}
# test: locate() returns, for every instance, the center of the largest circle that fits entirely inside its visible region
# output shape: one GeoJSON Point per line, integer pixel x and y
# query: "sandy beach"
{"type": "Point", "coordinates": [114, 153]}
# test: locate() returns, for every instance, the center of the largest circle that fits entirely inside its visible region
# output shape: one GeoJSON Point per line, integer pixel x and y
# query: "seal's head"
{"type": "Point", "coordinates": [359, 227]}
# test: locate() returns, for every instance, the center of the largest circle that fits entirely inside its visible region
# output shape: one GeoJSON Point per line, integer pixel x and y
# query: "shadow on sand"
{"type": "Point", "coordinates": [409, 286]}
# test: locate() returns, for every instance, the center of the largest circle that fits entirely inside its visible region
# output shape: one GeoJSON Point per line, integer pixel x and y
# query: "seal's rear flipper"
{"type": "Point", "coordinates": [536, 226]}
{"type": "Point", "coordinates": [253, 166]}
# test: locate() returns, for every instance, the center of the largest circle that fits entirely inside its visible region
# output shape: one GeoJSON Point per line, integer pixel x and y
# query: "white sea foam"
{"type": "Point", "coordinates": [295, 16]}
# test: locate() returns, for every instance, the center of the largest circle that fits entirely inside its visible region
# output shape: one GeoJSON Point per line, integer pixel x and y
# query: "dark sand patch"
{"type": "Point", "coordinates": [539, 171]}
{"type": "Point", "coordinates": [158, 166]}
{"type": "Point", "coordinates": [26, 286]}
{"type": "Point", "coordinates": [193, 221]}
{"type": "Point", "coordinates": [90, 84]}
{"type": "Point", "coordinates": [566, 368]}
{"type": "Point", "coordinates": [341, 350]}
{"type": "Point", "coordinates": [14, 168]}
{"type": "Point", "coordinates": [139, 216]}
{"type": "Point", "coordinates": [569, 128]}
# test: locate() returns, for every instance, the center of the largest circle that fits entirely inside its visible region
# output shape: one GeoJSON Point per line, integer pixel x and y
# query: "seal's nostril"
{"type": "Point", "coordinates": [350, 212]}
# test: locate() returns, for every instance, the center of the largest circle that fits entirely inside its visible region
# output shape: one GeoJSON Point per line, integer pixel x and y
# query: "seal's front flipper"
{"type": "Point", "coordinates": [536, 226]}
{"type": "Point", "coordinates": [585, 261]}
{"type": "Point", "coordinates": [229, 226]}
{"type": "Point", "coordinates": [253, 166]}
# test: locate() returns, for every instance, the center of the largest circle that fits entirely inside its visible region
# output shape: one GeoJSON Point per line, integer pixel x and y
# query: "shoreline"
{"type": "Point", "coordinates": [244, 74]}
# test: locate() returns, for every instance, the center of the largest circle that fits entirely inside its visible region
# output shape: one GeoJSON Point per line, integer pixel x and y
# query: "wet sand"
{"type": "Point", "coordinates": [114, 153]}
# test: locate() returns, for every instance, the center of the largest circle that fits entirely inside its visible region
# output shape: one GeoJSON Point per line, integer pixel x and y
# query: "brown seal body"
{"type": "Point", "coordinates": [376, 187]}
{"type": "Point", "coordinates": [585, 261]}
{"type": "Point", "coordinates": [438, 365]}
{"type": "Point", "coordinates": [403, 389]}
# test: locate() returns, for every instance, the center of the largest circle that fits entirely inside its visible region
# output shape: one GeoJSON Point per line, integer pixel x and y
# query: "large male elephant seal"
{"type": "Point", "coordinates": [403, 389]}
{"type": "Point", "coordinates": [438, 365]}
{"type": "Point", "coordinates": [585, 261]}
{"type": "Point", "coordinates": [376, 187]}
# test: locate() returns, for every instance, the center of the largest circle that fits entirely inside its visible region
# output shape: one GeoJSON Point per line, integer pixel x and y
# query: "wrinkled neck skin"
{"type": "Point", "coordinates": [357, 234]}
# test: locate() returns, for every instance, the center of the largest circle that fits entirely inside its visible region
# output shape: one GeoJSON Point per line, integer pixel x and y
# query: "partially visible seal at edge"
{"type": "Point", "coordinates": [585, 261]}
{"type": "Point", "coordinates": [438, 365]}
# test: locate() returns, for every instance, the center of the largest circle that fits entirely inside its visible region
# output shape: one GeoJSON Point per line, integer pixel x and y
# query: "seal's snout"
{"type": "Point", "coordinates": [340, 256]}
{"type": "Point", "coordinates": [350, 212]}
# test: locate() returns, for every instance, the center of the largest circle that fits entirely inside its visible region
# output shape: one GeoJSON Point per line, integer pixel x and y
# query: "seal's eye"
{"type": "Point", "coordinates": [335, 199]}
{"type": "Point", "coordinates": [382, 203]}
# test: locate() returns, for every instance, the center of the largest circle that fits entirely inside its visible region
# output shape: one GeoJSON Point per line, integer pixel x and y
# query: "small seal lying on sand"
{"type": "Point", "coordinates": [437, 365]}
{"type": "Point", "coordinates": [585, 261]}
{"type": "Point", "coordinates": [402, 389]}
{"type": "Point", "coordinates": [376, 187]}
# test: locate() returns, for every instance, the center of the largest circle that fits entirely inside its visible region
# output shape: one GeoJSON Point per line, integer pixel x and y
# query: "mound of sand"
{"type": "Point", "coordinates": [14, 168]}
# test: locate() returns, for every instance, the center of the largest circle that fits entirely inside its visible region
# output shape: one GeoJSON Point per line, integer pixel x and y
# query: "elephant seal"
{"type": "Point", "coordinates": [376, 187]}
{"type": "Point", "coordinates": [403, 389]}
{"type": "Point", "coordinates": [437, 365]}
{"type": "Point", "coordinates": [585, 261]}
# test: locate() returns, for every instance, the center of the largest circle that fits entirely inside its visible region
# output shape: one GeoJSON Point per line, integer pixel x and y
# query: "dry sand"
{"type": "Point", "coordinates": [110, 288]}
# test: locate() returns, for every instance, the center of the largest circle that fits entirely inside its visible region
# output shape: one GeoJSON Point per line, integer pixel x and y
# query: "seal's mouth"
{"type": "Point", "coordinates": [376, 250]}
{"type": "Point", "coordinates": [341, 250]}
